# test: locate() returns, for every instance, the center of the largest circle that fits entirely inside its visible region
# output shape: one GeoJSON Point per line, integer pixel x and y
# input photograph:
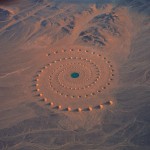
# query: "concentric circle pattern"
{"type": "Point", "coordinates": [74, 79]}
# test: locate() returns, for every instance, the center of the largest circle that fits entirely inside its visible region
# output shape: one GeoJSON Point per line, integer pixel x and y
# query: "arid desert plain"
{"type": "Point", "coordinates": [74, 74]}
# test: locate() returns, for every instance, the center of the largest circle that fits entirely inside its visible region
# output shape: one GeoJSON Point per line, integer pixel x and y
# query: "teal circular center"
{"type": "Point", "coordinates": [74, 75]}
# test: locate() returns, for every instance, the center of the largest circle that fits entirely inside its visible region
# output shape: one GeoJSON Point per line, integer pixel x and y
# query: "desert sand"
{"type": "Point", "coordinates": [74, 75]}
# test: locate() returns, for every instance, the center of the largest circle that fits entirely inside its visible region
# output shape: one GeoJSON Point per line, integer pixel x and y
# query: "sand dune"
{"type": "Point", "coordinates": [74, 75]}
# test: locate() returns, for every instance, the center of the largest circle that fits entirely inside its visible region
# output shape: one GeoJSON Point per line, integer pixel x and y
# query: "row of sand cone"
{"type": "Point", "coordinates": [101, 106]}
{"type": "Point", "coordinates": [71, 50]}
